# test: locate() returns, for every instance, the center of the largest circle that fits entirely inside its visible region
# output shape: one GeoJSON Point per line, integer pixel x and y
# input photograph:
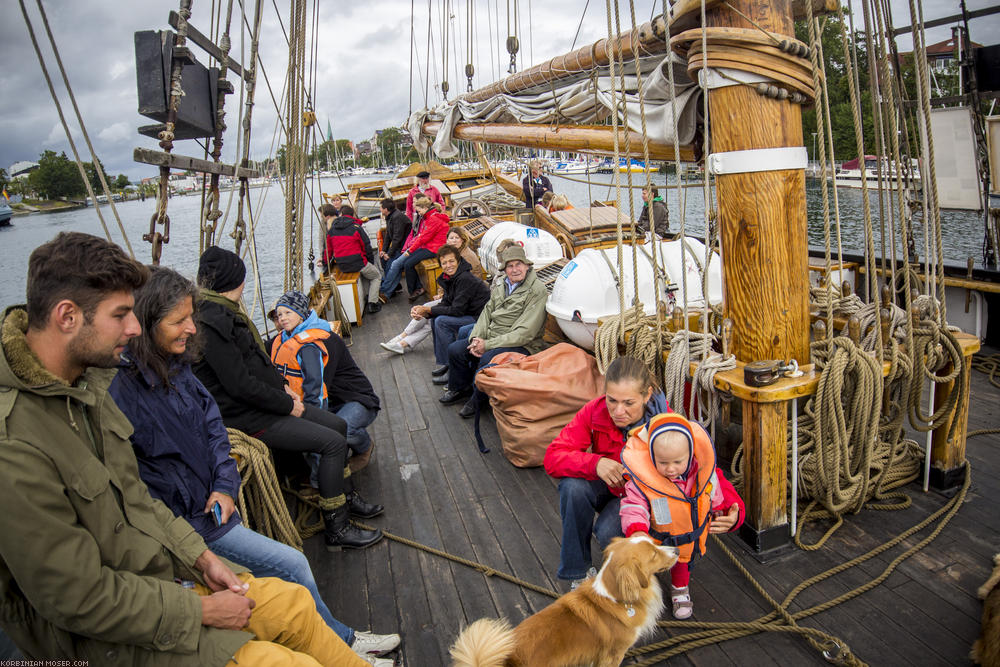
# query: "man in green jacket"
{"type": "Point", "coordinates": [512, 321]}
{"type": "Point", "coordinates": [92, 568]}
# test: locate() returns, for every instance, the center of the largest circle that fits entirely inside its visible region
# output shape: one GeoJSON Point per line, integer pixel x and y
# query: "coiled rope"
{"type": "Point", "coordinates": [261, 503]}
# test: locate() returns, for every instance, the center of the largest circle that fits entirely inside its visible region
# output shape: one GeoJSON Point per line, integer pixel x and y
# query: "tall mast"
{"type": "Point", "coordinates": [762, 230]}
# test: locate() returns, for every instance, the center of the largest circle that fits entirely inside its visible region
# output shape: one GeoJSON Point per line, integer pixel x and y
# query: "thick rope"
{"type": "Point", "coordinates": [261, 503]}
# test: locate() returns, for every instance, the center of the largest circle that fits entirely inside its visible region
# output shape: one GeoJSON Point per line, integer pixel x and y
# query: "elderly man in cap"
{"type": "Point", "coordinates": [423, 187]}
{"type": "Point", "coordinates": [511, 321]}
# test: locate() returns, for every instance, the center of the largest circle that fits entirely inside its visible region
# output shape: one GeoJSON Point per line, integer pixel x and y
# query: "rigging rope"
{"type": "Point", "coordinates": [69, 136]}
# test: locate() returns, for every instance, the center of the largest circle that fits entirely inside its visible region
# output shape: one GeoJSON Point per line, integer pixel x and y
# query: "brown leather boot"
{"type": "Point", "coordinates": [360, 461]}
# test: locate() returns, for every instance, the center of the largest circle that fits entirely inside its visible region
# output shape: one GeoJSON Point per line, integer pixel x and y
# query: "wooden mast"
{"type": "Point", "coordinates": [762, 229]}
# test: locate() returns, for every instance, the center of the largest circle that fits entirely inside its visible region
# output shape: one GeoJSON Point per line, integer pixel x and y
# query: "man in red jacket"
{"type": "Point", "coordinates": [348, 247]}
{"type": "Point", "coordinates": [423, 187]}
{"type": "Point", "coordinates": [586, 455]}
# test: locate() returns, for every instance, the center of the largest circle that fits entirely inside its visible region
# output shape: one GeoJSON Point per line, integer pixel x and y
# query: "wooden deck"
{"type": "Point", "coordinates": [439, 490]}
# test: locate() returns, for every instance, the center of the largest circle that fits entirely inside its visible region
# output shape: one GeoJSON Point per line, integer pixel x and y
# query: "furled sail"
{"type": "Point", "coordinates": [578, 89]}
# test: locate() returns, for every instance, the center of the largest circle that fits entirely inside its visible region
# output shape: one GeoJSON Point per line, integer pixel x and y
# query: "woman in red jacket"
{"type": "Point", "coordinates": [587, 456]}
{"type": "Point", "coordinates": [430, 230]}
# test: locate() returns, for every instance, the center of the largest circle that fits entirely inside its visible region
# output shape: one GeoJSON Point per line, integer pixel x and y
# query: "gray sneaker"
{"type": "Point", "coordinates": [378, 662]}
{"type": "Point", "coordinates": [393, 346]}
{"type": "Point", "coordinates": [591, 573]}
{"type": "Point", "coordinates": [369, 643]}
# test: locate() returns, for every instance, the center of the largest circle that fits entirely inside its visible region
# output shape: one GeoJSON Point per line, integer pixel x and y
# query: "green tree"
{"type": "Point", "coordinates": [838, 86]}
{"type": "Point", "coordinates": [121, 182]}
{"type": "Point", "coordinates": [3, 179]}
{"type": "Point", "coordinates": [55, 177]}
{"type": "Point", "coordinates": [94, 178]}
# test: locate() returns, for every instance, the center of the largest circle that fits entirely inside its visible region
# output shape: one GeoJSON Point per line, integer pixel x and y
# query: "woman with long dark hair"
{"type": "Point", "coordinates": [182, 447]}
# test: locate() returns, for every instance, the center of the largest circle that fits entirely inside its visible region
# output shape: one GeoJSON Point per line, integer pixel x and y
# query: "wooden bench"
{"type": "Point", "coordinates": [350, 294]}
{"type": "Point", "coordinates": [428, 272]}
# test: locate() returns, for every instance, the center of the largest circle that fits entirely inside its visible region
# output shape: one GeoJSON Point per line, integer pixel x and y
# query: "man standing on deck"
{"type": "Point", "coordinates": [92, 568]}
{"type": "Point", "coordinates": [423, 187]}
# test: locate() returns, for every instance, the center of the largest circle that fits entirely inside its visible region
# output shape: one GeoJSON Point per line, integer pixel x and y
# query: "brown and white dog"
{"type": "Point", "coordinates": [593, 625]}
{"type": "Point", "coordinates": [986, 650]}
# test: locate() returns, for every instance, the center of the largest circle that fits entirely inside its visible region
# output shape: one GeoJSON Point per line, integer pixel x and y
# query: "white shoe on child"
{"type": "Point", "coordinates": [369, 643]}
{"type": "Point", "coordinates": [681, 599]}
{"type": "Point", "coordinates": [591, 573]}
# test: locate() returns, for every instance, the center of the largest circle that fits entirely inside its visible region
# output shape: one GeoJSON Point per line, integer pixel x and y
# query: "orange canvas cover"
{"type": "Point", "coordinates": [533, 397]}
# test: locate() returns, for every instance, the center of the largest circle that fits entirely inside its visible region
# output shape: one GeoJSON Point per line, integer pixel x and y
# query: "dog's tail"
{"type": "Point", "coordinates": [485, 643]}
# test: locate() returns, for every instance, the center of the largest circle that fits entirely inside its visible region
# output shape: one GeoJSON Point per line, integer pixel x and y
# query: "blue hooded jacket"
{"type": "Point", "coordinates": [310, 358]}
{"type": "Point", "coordinates": [179, 441]}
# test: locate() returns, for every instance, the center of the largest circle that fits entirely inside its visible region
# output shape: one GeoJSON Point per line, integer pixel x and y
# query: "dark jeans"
{"type": "Point", "coordinates": [579, 501]}
{"type": "Point", "coordinates": [410, 267]}
{"type": "Point", "coordinates": [462, 366]}
{"type": "Point", "coordinates": [445, 329]}
{"type": "Point", "coordinates": [394, 271]}
{"type": "Point", "coordinates": [316, 431]}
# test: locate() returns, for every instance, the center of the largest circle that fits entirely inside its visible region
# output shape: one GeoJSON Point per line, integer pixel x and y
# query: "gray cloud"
{"type": "Point", "coordinates": [363, 72]}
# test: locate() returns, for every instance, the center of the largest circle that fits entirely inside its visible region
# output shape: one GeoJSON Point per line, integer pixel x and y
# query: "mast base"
{"type": "Point", "coordinates": [947, 482]}
{"type": "Point", "coordinates": [766, 545]}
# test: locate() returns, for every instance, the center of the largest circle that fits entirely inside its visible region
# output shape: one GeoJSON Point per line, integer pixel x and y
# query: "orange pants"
{"type": "Point", "coordinates": [289, 632]}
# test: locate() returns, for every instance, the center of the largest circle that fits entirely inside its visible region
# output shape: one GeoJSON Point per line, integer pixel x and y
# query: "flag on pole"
{"type": "Point", "coordinates": [5, 195]}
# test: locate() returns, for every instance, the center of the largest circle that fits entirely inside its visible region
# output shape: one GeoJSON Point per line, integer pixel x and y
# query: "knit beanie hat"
{"type": "Point", "coordinates": [296, 301]}
{"type": "Point", "coordinates": [221, 270]}
{"type": "Point", "coordinates": [671, 423]}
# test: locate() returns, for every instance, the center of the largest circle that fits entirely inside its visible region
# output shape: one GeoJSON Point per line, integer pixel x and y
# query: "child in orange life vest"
{"type": "Point", "coordinates": [675, 493]}
{"type": "Point", "coordinates": [297, 352]}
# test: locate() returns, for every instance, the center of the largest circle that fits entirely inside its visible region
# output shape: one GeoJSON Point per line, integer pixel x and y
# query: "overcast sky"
{"type": "Point", "coordinates": [363, 69]}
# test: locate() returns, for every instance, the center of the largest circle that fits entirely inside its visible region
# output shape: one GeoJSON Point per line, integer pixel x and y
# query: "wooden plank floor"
{"type": "Point", "coordinates": [439, 490]}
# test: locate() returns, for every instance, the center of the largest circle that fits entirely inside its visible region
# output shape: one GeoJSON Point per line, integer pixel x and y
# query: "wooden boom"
{"type": "Point", "coordinates": [570, 138]}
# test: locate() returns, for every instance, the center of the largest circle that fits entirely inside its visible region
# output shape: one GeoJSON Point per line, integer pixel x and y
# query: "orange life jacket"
{"type": "Point", "coordinates": [285, 356]}
{"type": "Point", "coordinates": [675, 519]}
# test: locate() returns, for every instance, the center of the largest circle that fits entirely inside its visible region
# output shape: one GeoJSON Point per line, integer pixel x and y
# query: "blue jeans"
{"type": "Point", "coordinates": [357, 417]}
{"type": "Point", "coordinates": [394, 272]}
{"type": "Point", "coordinates": [462, 366]}
{"type": "Point", "coordinates": [579, 500]}
{"type": "Point", "coordinates": [268, 558]}
{"type": "Point", "coordinates": [445, 329]}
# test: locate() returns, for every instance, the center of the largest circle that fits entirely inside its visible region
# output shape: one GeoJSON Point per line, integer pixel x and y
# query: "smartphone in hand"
{"type": "Point", "coordinates": [217, 513]}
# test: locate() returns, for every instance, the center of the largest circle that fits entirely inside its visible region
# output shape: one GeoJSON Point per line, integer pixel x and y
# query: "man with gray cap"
{"type": "Point", "coordinates": [422, 187]}
{"type": "Point", "coordinates": [511, 321]}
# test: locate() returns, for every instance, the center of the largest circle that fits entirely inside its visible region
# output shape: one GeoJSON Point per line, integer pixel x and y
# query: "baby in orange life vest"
{"type": "Point", "coordinates": [675, 493]}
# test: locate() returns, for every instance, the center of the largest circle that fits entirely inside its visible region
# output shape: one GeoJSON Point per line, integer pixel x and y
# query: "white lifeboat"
{"type": "Point", "coordinates": [587, 288]}
{"type": "Point", "coordinates": [540, 247]}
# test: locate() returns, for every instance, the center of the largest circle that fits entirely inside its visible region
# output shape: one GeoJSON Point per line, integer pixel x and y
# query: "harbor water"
{"type": "Point", "coordinates": [962, 230]}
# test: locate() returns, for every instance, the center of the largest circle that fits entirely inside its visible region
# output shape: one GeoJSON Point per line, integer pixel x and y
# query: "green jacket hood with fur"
{"type": "Point", "coordinates": [87, 557]}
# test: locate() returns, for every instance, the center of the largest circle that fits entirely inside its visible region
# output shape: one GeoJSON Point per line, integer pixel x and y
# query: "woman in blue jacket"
{"type": "Point", "coordinates": [182, 446]}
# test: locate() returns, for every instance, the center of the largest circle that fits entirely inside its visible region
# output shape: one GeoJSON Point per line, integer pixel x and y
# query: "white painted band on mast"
{"type": "Point", "coordinates": [758, 159]}
{"type": "Point", "coordinates": [711, 78]}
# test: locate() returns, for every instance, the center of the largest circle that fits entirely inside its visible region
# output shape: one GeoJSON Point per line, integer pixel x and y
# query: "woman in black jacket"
{"type": "Point", "coordinates": [464, 294]}
{"type": "Point", "coordinates": [252, 398]}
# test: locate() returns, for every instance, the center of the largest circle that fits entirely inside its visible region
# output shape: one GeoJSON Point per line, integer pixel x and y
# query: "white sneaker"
{"type": "Point", "coordinates": [393, 346]}
{"type": "Point", "coordinates": [591, 573]}
{"type": "Point", "coordinates": [369, 643]}
{"type": "Point", "coordinates": [377, 661]}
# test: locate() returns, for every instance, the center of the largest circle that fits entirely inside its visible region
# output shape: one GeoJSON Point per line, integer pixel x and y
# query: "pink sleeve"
{"type": "Point", "coordinates": [729, 498]}
{"type": "Point", "coordinates": [634, 510]}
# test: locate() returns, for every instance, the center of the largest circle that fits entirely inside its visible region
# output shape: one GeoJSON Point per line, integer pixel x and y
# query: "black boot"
{"type": "Point", "coordinates": [361, 508]}
{"type": "Point", "coordinates": [340, 534]}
